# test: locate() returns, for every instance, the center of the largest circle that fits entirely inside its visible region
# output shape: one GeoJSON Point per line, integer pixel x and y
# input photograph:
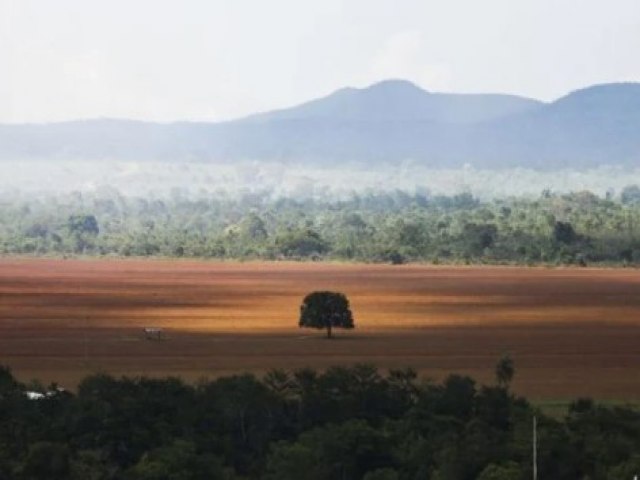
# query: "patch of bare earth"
{"type": "Point", "coordinates": [571, 332]}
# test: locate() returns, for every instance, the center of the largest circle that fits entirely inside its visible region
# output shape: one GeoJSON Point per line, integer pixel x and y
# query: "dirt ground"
{"type": "Point", "coordinates": [571, 332]}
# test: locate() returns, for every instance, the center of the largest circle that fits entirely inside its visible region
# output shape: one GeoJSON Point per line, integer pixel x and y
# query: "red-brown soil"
{"type": "Point", "coordinates": [571, 332]}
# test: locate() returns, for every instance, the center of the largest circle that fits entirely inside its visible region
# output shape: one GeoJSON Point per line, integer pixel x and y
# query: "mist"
{"type": "Point", "coordinates": [274, 180]}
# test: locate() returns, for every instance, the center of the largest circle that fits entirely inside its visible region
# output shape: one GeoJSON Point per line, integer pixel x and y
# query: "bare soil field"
{"type": "Point", "coordinates": [571, 332]}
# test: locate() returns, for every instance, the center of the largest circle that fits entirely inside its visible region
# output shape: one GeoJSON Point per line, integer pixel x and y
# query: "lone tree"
{"type": "Point", "coordinates": [326, 310]}
{"type": "Point", "coordinates": [505, 371]}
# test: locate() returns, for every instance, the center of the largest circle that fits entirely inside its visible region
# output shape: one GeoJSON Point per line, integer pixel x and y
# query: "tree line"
{"type": "Point", "coordinates": [343, 423]}
{"type": "Point", "coordinates": [578, 228]}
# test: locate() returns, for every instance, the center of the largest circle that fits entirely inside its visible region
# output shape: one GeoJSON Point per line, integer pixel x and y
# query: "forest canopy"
{"type": "Point", "coordinates": [578, 228]}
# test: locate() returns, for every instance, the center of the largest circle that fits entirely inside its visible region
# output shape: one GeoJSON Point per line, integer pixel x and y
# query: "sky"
{"type": "Point", "coordinates": [220, 59]}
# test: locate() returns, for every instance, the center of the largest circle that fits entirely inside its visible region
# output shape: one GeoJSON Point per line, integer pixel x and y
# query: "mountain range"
{"type": "Point", "coordinates": [385, 123]}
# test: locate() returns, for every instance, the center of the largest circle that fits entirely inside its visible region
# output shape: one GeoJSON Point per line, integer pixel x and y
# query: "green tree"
{"type": "Point", "coordinates": [92, 465]}
{"type": "Point", "coordinates": [47, 461]}
{"type": "Point", "coordinates": [346, 451]}
{"type": "Point", "coordinates": [504, 471]}
{"type": "Point", "coordinates": [630, 195]}
{"type": "Point", "coordinates": [301, 243]}
{"type": "Point", "coordinates": [253, 227]}
{"type": "Point", "coordinates": [505, 371]}
{"type": "Point", "coordinates": [83, 224]}
{"type": "Point", "coordinates": [326, 310]}
{"type": "Point", "coordinates": [628, 469]}
{"type": "Point", "coordinates": [563, 232]}
{"type": "Point", "coordinates": [382, 474]}
{"type": "Point", "coordinates": [178, 461]}
{"type": "Point", "coordinates": [479, 236]}
{"type": "Point", "coordinates": [8, 383]}
{"type": "Point", "coordinates": [83, 230]}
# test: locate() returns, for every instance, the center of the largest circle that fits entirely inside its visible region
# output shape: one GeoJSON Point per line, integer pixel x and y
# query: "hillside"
{"type": "Point", "coordinates": [387, 122]}
{"type": "Point", "coordinates": [402, 101]}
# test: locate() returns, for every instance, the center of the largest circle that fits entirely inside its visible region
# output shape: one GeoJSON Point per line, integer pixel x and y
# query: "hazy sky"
{"type": "Point", "coordinates": [215, 59]}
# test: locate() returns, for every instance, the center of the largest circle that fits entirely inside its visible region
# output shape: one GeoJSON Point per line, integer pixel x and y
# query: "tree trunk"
{"type": "Point", "coordinates": [329, 331]}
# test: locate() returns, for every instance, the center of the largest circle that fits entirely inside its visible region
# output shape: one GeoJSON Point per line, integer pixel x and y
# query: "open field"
{"type": "Point", "coordinates": [571, 332]}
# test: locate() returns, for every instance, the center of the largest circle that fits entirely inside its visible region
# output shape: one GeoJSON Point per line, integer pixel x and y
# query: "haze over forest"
{"type": "Point", "coordinates": [353, 97]}
{"type": "Point", "coordinates": [390, 135]}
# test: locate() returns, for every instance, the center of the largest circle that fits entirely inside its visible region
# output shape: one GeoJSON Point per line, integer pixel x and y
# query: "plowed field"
{"type": "Point", "coordinates": [571, 332]}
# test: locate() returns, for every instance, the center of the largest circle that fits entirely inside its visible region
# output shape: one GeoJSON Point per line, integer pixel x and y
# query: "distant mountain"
{"type": "Point", "coordinates": [387, 122]}
{"type": "Point", "coordinates": [402, 101]}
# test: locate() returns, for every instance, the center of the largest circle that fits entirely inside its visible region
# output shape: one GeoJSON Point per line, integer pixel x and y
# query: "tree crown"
{"type": "Point", "coordinates": [326, 310]}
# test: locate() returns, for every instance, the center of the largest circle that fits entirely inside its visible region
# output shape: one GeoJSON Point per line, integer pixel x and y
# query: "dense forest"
{"type": "Point", "coordinates": [344, 423]}
{"type": "Point", "coordinates": [578, 228]}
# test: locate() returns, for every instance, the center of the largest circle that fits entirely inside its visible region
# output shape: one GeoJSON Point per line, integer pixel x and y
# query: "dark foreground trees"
{"type": "Point", "coordinates": [350, 423]}
{"type": "Point", "coordinates": [326, 310]}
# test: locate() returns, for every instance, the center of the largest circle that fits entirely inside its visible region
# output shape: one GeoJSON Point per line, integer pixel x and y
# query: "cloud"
{"type": "Point", "coordinates": [403, 56]}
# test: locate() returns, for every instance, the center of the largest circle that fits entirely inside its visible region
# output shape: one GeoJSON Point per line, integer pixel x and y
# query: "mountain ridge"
{"type": "Point", "coordinates": [406, 99]}
{"type": "Point", "coordinates": [387, 122]}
